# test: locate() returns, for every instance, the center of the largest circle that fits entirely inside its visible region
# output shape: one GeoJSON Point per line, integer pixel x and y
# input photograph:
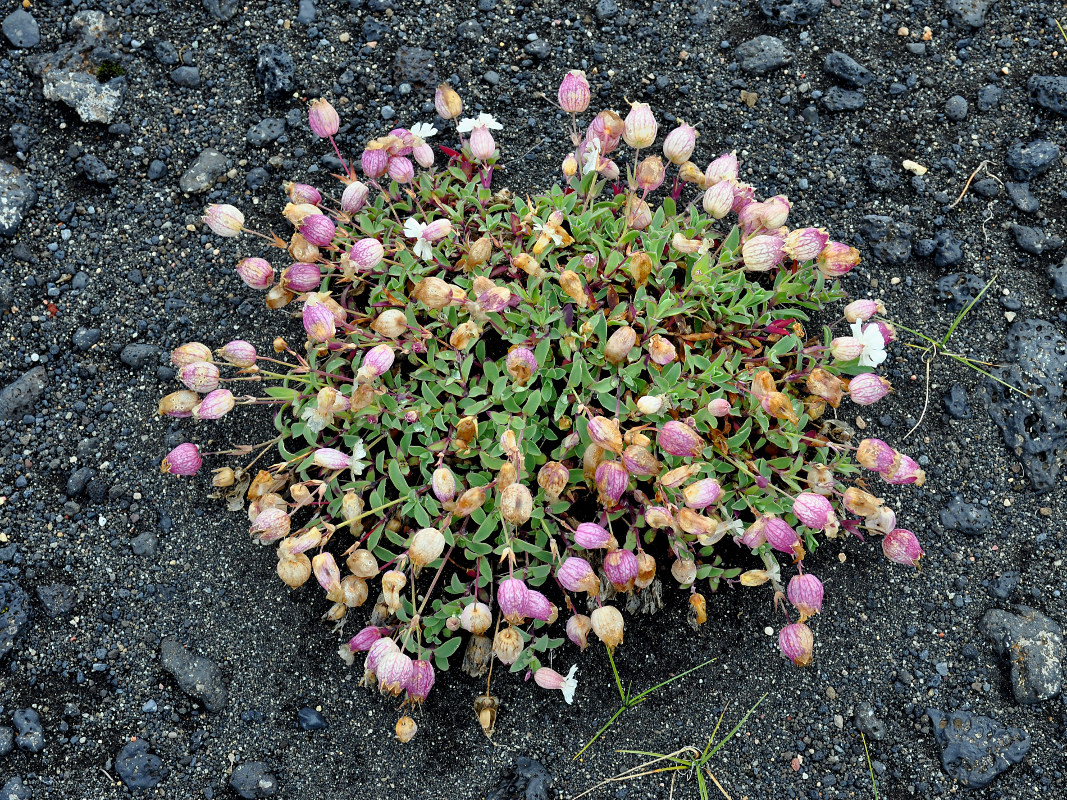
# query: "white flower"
{"type": "Point", "coordinates": [551, 233]}
{"type": "Point", "coordinates": [483, 120]}
{"type": "Point", "coordinates": [424, 130]}
{"type": "Point", "coordinates": [873, 344]}
{"type": "Point", "coordinates": [570, 683]}
{"type": "Point", "coordinates": [733, 527]}
{"type": "Point", "coordinates": [356, 463]}
{"type": "Point", "coordinates": [591, 159]}
{"type": "Point", "coordinates": [413, 230]}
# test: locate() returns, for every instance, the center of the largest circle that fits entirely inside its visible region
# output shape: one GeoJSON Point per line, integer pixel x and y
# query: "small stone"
{"type": "Point", "coordinates": [85, 338]}
{"type": "Point", "coordinates": [198, 677]}
{"type": "Point", "coordinates": [209, 166]}
{"type": "Point", "coordinates": [22, 395]}
{"type": "Point", "coordinates": [257, 178]}
{"type": "Point", "coordinates": [889, 241]}
{"type": "Point", "coordinates": [881, 173]}
{"type": "Point", "coordinates": [156, 170]}
{"type": "Point", "coordinates": [527, 779]}
{"type": "Point", "coordinates": [969, 518]}
{"type": "Point", "coordinates": [15, 789]}
{"type": "Point", "coordinates": [416, 66]}
{"type": "Point", "coordinates": [947, 249]}
{"type": "Point", "coordinates": [1028, 161]}
{"type": "Point", "coordinates": [987, 187]}
{"type": "Point", "coordinates": [1003, 586]}
{"type": "Point", "coordinates": [275, 72]}
{"type": "Point", "coordinates": [989, 97]}
{"type": "Point", "coordinates": [1021, 198]}
{"type": "Point", "coordinates": [57, 600]}
{"type": "Point", "coordinates": [956, 108]}
{"type": "Point", "coordinates": [307, 12]}
{"type": "Point", "coordinates": [838, 99]}
{"type": "Point", "coordinates": [868, 723]}
{"type": "Point", "coordinates": [967, 13]}
{"type": "Point", "coordinates": [253, 779]}
{"type": "Point", "coordinates": [1049, 92]}
{"type": "Point", "coordinates": [955, 401]}
{"type": "Point", "coordinates": [308, 719]}
{"type": "Point", "coordinates": [762, 55]}
{"type": "Point", "coordinates": [1033, 645]}
{"type": "Point", "coordinates": [1032, 240]}
{"type": "Point", "coordinates": [138, 355]}
{"type": "Point", "coordinates": [187, 77]}
{"type": "Point", "coordinates": [1058, 274]}
{"type": "Point", "coordinates": [17, 196]}
{"type": "Point", "coordinates": [14, 613]}
{"type": "Point", "coordinates": [165, 53]}
{"type": "Point", "coordinates": [791, 12]}
{"type": "Point", "coordinates": [492, 77]}
{"type": "Point", "coordinates": [22, 137]}
{"type": "Point", "coordinates": [222, 10]}
{"type": "Point", "coordinates": [138, 768]}
{"type": "Point", "coordinates": [95, 170]}
{"type": "Point", "coordinates": [30, 733]}
{"type": "Point", "coordinates": [387, 112]}
{"type": "Point", "coordinates": [959, 289]}
{"type": "Point", "coordinates": [847, 70]}
{"type": "Point", "coordinates": [975, 749]}
{"type": "Point", "coordinates": [265, 131]}
{"type": "Point", "coordinates": [21, 29]}
{"type": "Point", "coordinates": [7, 740]}
{"type": "Point", "coordinates": [606, 9]}
{"type": "Point", "coordinates": [145, 544]}
{"type": "Point", "coordinates": [470, 30]}
{"type": "Point", "coordinates": [538, 48]}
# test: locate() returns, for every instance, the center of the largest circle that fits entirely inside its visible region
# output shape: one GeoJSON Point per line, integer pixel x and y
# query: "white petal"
{"type": "Point", "coordinates": [423, 249]}
{"type": "Point", "coordinates": [413, 228]}
{"type": "Point", "coordinates": [570, 683]}
{"type": "Point", "coordinates": [424, 130]}
{"type": "Point", "coordinates": [466, 125]}
{"type": "Point", "coordinates": [489, 121]}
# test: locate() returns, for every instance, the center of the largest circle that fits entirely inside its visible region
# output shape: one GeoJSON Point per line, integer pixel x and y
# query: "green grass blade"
{"type": "Point", "coordinates": [652, 689]}
{"type": "Point", "coordinates": [966, 311]}
{"type": "Point", "coordinates": [870, 766]}
{"type": "Point", "coordinates": [968, 363]}
{"type": "Point", "coordinates": [599, 733]}
{"type": "Point", "coordinates": [735, 729]}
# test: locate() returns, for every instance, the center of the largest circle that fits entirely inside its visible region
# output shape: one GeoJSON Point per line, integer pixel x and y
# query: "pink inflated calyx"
{"type": "Point", "coordinates": [796, 643]}
{"type": "Point", "coordinates": [576, 575]}
{"type": "Point", "coordinates": [680, 143]}
{"type": "Point", "coordinates": [354, 197]}
{"type": "Point", "coordinates": [621, 568]}
{"type": "Point", "coordinates": [319, 322]}
{"type": "Point", "coordinates": [702, 493]}
{"type": "Point", "coordinates": [536, 606]}
{"type": "Point", "coordinates": [401, 169]}
{"type": "Point", "coordinates": [375, 162]}
{"type": "Point", "coordinates": [215, 404]}
{"type": "Point", "coordinates": [813, 510]}
{"type": "Point", "coordinates": [511, 597]}
{"type": "Point", "coordinates": [901, 546]}
{"type": "Point", "coordinates": [364, 639]}
{"type": "Point", "coordinates": [678, 439]}
{"type": "Point", "coordinates": [318, 229]}
{"type": "Point", "coordinates": [612, 480]}
{"type": "Point", "coordinates": [378, 360]}
{"type": "Point", "coordinates": [590, 536]}
{"type": "Point", "coordinates": [420, 682]}
{"type": "Point", "coordinates": [200, 376]}
{"type": "Point", "coordinates": [805, 592]}
{"type": "Point", "coordinates": [394, 671]}
{"type": "Point", "coordinates": [723, 168]}
{"type": "Point", "coordinates": [780, 535]}
{"type": "Point", "coordinates": [257, 273]}
{"type": "Point", "coordinates": [238, 352]}
{"type": "Point", "coordinates": [763, 252]}
{"type": "Point", "coordinates": [301, 193]}
{"type": "Point", "coordinates": [805, 244]}
{"type": "Point", "coordinates": [182, 460]}
{"type": "Point", "coordinates": [366, 253]}
{"type": "Point", "coordinates": [574, 93]}
{"type": "Point", "coordinates": [867, 389]}
{"type": "Point", "coordinates": [302, 277]}
{"type": "Point", "coordinates": [482, 144]}
{"type": "Point", "coordinates": [323, 119]}
{"type": "Point", "coordinates": [521, 365]}
{"type": "Point", "coordinates": [377, 651]}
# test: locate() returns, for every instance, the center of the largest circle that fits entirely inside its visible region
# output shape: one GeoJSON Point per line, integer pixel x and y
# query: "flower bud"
{"type": "Point", "coordinates": [470, 500]}
{"type": "Point", "coordinates": [881, 520]}
{"type": "Point", "coordinates": [330, 458]}
{"type": "Point", "coordinates": [366, 253]}
{"type": "Point", "coordinates": [703, 493]}
{"type": "Point", "coordinates": [607, 624]}
{"type": "Point", "coordinates": [640, 462]}
{"type": "Point", "coordinates": [354, 197]}
{"type": "Point", "coordinates": [650, 174]}
{"type": "Point", "coordinates": [374, 160]}
{"type": "Point", "coordinates": [443, 484]}
{"type": "Point", "coordinates": [620, 567]}
{"type": "Point", "coordinates": [423, 154]}
{"type": "Point", "coordinates": [661, 350]}
{"type": "Point", "coordinates": [318, 230]}
{"type": "Point", "coordinates": [507, 645]}
{"type": "Point", "coordinates": [238, 352]}
{"type": "Point", "coordinates": [868, 388]}
{"type": "Point", "coordinates": [182, 460]}
{"type": "Point", "coordinates": [719, 407]}
{"type": "Point", "coordinates": [678, 439]}
{"type": "Point", "coordinates": [590, 536]}
{"type": "Point", "coordinates": [296, 213]}
{"type": "Point", "coordinates": [467, 429]}
{"type": "Point", "coordinates": [482, 144]}
{"type": "Point", "coordinates": [323, 119]}
{"type": "Point", "coordinates": [319, 322]}
{"type": "Point", "coordinates": [420, 683]}
{"type": "Point", "coordinates": [390, 323]}
{"type": "Point", "coordinates": [569, 168]}
{"type": "Point", "coordinates": [224, 220]}
{"type": "Point", "coordinates": [516, 504]}
{"type": "Point", "coordinates": [650, 405]}
{"type": "Point", "coordinates": [178, 404]}
{"type": "Point", "coordinates": [362, 564]}
{"type": "Point", "coordinates": [447, 102]}
{"type": "Point", "coordinates": [215, 404]}
{"type": "Point", "coordinates": [270, 525]}
{"type": "Point", "coordinates": [826, 385]}
{"type": "Point", "coordinates": [521, 365]}
{"type": "Point", "coordinates": [377, 361]}
{"type": "Point", "coordinates": [257, 273]}
{"type": "Point", "coordinates": [719, 199]}
{"type": "Point", "coordinates": [837, 259]}
{"type": "Point", "coordinates": [780, 535]}
{"type": "Point", "coordinates": [863, 309]}
{"type": "Point", "coordinates": [901, 547]}
{"type": "Point", "coordinates": [363, 640]}
{"type": "Point", "coordinates": [723, 168]}
{"type": "Point", "coordinates": [684, 570]}
{"type": "Point", "coordinates": [190, 353]}
{"type": "Point", "coordinates": [640, 128]}
{"type": "Point", "coordinates": [405, 729]}
{"type": "Point", "coordinates": [294, 570]}
{"type": "Point", "coordinates": [426, 546]}
{"type": "Point", "coordinates": [574, 93]}
{"type": "Point", "coordinates": [553, 478]}
{"type": "Point", "coordinates": [805, 244]}
{"type": "Point", "coordinates": [394, 672]}
{"type": "Point", "coordinates": [680, 143]}
{"type": "Point", "coordinates": [846, 348]}
{"type": "Point", "coordinates": [476, 618]}
{"type": "Point", "coordinates": [761, 253]}
{"type": "Point", "coordinates": [612, 480]}
{"type": "Point", "coordinates": [796, 643]}
{"type": "Point", "coordinates": [619, 344]}
{"type": "Point", "coordinates": [200, 376]}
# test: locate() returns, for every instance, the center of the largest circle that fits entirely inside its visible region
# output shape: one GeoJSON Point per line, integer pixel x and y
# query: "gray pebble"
{"type": "Point", "coordinates": [1033, 645]}
{"type": "Point", "coordinates": [956, 108]}
{"type": "Point", "coordinates": [198, 677]}
{"type": "Point", "coordinates": [21, 29]}
{"type": "Point", "coordinates": [253, 779]}
{"type": "Point", "coordinates": [762, 55]}
{"type": "Point", "coordinates": [202, 174]}
{"type": "Point", "coordinates": [1021, 198]}
{"type": "Point", "coordinates": [138, 354]}
{"type": "Point", "coordinates": [187, 77]}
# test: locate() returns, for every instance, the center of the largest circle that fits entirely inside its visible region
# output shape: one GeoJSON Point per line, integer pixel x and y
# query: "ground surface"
{"type": "Point", "coordinates": [95, 266]}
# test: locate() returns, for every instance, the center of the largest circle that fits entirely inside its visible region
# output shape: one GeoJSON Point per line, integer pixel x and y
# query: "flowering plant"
{"type": "Point", "coordinates": [510, 417]}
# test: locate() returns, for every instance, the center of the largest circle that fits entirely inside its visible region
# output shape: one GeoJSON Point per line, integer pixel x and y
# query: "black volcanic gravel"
{"type": "Point", "coordinates": [104, 268]}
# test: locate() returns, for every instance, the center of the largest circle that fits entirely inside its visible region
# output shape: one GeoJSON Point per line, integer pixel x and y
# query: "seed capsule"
{"type": "Point", "coordinates": [394, 672]}
{"type": "Point", "coordinates": [516, 504]}
{"type": "Point", "coordinates": [215, 404]}
{"type": "Point", "coordinates": [190, 353]}
{"type": "Point", "coordinates": [476, 618]}
{"type": "Point", "coordinates": [511, 597]}
{"type": "Point", "coordinates": [182, 460]}
{"type": "Point", "coordinates": [902, 547]}
{"type": "Point", "coordinates": [426, 546]}
{"type": "Point", "coordinates": [507, 645]}
{"type": "Point", "coordinates": [406, 728]}
{"type": "Point", "coordinates": [468, 501]}
{"type": "Point", "coordinates": [553, 478]}
{"type": "Point", "coordinates": [605, 433]}
{"type": "Point", "coordinates": [684, 570]}
{"type": "Point", "coordinates": [575, 575]}
{"type": "Point", "coordinates": [678, 439]}
{"type": "Point", "coordinates": [796, 642]}
{"type": "Point", "coordinates": [294, 570]}
{"type": "Point", "coordinates": [578, 628]}
{"type": "Point", "coordinates": [178, 404]}
{"type": "Point", "coordinates": [607, 624]}
{"type": "Point", "coordinates": [224, 220]}
{"type": "Point", "coordinates": [448, 104]}
{"type": "Point", "coordinates": [362, 563]}
{"type": "Point", "coordinates": [619, 344]}
{"type": "Point", "coordinates": [612, 480]}
{"type": "Point", "coordinates": [590, 536]}
{"type": "Point", "coordinates": [868, 389]}
{"type": "Point", "coordinates": [521, 365]}
{"type": "Point", "coordinates": [239, 353]}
